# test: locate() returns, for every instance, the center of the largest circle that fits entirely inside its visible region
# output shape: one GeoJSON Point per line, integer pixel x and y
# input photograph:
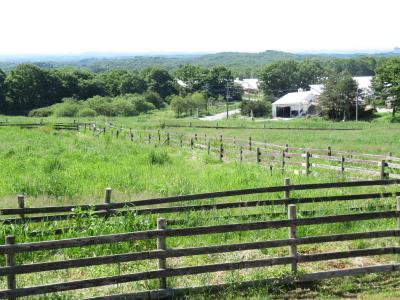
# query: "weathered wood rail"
{"type": "Point", "coordinates": [162, 253]}
{"type": "Point", "coordinates": [55, 125]}
{"type": "Point", "coordinates": [24, 214]}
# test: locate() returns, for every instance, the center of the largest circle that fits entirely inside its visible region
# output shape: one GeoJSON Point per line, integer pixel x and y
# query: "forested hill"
{"type": "Point", "coordinates": [240, 63]}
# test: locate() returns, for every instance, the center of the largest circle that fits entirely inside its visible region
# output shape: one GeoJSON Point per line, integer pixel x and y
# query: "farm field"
{"type": "Point", "coordinates": [52, 167]}
{"type": "Point", "coordinates": [378, 136]}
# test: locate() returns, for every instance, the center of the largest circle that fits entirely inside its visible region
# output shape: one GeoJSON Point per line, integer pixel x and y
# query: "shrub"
{"type": "Point", "coordinates": [142, 106]}
{"type": "Point", "coordinates": [158, 157]}
{"type": "Point", "coordinates": [87, 112]}
{"type": "Point", "coordinates": [154, 98]}
{"type": "Point", "coordinates": [67, 110]}
{"type": "Point", "coordinates": [259, 108]}
{"type": "Point", "coordinates": [122, 106]}
{"type": "Point", "coordinates": [101, 105]}
{"type": "Point", "coordinates": [42, 112]}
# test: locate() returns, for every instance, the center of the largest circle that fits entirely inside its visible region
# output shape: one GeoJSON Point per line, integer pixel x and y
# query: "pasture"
{"type": "Point", "coordinates": [54, 168]}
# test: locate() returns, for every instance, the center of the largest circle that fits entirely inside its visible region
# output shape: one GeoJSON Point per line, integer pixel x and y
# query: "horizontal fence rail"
{"type": "Point", "coordinates": [162, 253]}
{"type": "Point", "coordinates": [150, 206]}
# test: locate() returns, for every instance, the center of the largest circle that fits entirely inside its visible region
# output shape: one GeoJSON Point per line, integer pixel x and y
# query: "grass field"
{"type": "Point", "coordinates": [379, 135]}
{"type": "Point", "coordinates": [57, 167]}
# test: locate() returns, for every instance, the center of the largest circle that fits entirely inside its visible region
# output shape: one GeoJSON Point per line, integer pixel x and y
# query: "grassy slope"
{"type": "Point", "coordinates": [68, 167]}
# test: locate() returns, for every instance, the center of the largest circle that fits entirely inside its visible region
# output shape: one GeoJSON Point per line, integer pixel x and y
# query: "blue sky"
{"type": "Point", "coordinates": [76, 26]}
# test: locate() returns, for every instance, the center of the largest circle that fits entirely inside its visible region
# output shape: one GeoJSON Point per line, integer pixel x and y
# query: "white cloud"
{"type": "Point", "coordinates": [70, 26]}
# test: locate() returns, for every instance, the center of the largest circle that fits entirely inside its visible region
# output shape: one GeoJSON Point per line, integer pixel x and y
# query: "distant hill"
{"type": "Point", "coordinates": [237, 61]}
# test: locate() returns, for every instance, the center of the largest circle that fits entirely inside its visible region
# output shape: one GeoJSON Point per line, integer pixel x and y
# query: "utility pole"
{"type": "Point", "coordinates": [357, 105]}
{"type": "Point", "coordinates": [207, 96]}
{"type": "Point", "coordinates": [227, 99]}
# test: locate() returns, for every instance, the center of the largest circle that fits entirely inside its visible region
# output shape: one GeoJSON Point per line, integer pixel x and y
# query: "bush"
{"type": "Point", "coordinates": [122, 106]}
{"type": "Point", "coordinates": [260, 108]}
{"type": "Point", "coordinates": [66, 109]}
{"type": "Point", "coordinates": [41, 112]}
{"type": "Point", "coordinates": [154, 98]}
{"type": "Point", "coordinates": [87, 112]}
{"type": "Point", "coordinates": [101, 105]}
{"type": "Point", "coordinates": [158, 157]}
{"type": "Point", "coordinates": [142, 106]}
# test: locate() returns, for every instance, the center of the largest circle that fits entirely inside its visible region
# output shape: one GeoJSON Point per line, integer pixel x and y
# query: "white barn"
{"type": "Point", "coordinates": [293, 104]}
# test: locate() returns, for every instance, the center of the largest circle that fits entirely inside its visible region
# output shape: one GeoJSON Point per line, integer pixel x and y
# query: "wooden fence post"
{"type": "Point", "coordinates": [195, 137]}
{"type": "Point", "coordinates": [117, 134]}
{"type": "Point", "coordinates": [250, 143]}
{"type": "Point", "coordinates": [283, 161]}
{"type": "Point", "coordinates": [307, 163]}
{"type": "Point", "coordinates": [208, 147]}
{"type": "Point", "coordinates": [292, 235]}
{"type": "Point", "coordinates": [221, 152]}
{"type": "Point", "coordinates": [162, 245]}
{"type": "Point", "coordinates": [286, 182]}
{"type": "Point", "coordinates": [342, 164]}
{"type": "Point", "coordinates": [168, 138]}
{"type": "Point", "coordinates": [107, 196]}
{"type": "Point", "coordinates": [10, 262]}
{"type": "Point", "coordinates": [149, 138]}
{"type": "Point", "coordinates": [258, 155]}
{"type": "Point", "coordinates": [287, 148]}
{"type": "Point", "coordinates": [21, 204]}
{"type": "Point", "coordinates": [383, 175]}
{"type": "Point", "coordinates": [131, 137]}
{"type": "Point", "coordinates": [220, 138]}
{"type": "Point", "coordinates": [329, 151]}
{"type": "Point", "coordinates": [241, 153]}
{"type": "Point", "coordinates": [398, 211]}
{"type": "Point", "coordinates": [191, 143]}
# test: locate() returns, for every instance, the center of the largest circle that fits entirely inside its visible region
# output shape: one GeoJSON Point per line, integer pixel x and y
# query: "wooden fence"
{"type": "Point", "coordinates": [56, 126]}
{"type": "Point", "coordinates": [162, 253]}
{"type": "Point", "coordinates": [272, 156]}
{"type": "Point", "coordinates": [168, 205]}
{"type": "Point", "coordinates": [217, 126]}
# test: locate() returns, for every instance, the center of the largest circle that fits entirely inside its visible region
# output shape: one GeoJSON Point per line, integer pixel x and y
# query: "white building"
{"type": "Point", "coordinates": [248, 84]}
{"type": "Point", "coordinates": [364, 84]}
{"type": "Point", "coordinates": [302, 103]}
{"type": "Point", "coordinates": [294, 104]}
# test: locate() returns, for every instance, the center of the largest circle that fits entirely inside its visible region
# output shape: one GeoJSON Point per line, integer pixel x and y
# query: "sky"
{"type": "Point", "coordinates": [154, 26]}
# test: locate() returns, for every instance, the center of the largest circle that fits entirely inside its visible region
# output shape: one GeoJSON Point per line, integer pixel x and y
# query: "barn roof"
{"type": "Point", "coordinates": [295, 98]}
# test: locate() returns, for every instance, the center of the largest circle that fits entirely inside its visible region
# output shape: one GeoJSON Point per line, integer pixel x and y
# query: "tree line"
{"type": "Point", "coordinates": [29, 87]}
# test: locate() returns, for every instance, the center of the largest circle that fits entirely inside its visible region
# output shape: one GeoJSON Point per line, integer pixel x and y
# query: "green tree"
{"type": "Point", "coordinates": [198, 101]}
{"type": "Point", "coordinates": [288, 76]}
{"type": "Point", "coordinates": [160, 81]}
{"type": "Point", "coordinates": [120, 82]}
{"type": "Point", "coordinates": [338, 98]}
{"type": "Point", "coordinates": [178, 105]}
{"type": "Point", "coordinates": [386, 82]}
{"type": "Point", "coordinates": [30, 87]}
{"type": "Point", "coordinates": [216, 81]}
{"type": "Point", "coordinates": [194, 76]}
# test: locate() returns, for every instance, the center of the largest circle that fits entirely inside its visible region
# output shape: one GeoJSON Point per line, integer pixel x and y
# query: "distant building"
{"type": "Point", "coordinates": [249, 85]}
{"type": "Point", "coordinates": [364, 85]}
{"type": "Point", "coordinates": [303, 103]}
{"type": "Point", "coordinates": [294, 105]}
